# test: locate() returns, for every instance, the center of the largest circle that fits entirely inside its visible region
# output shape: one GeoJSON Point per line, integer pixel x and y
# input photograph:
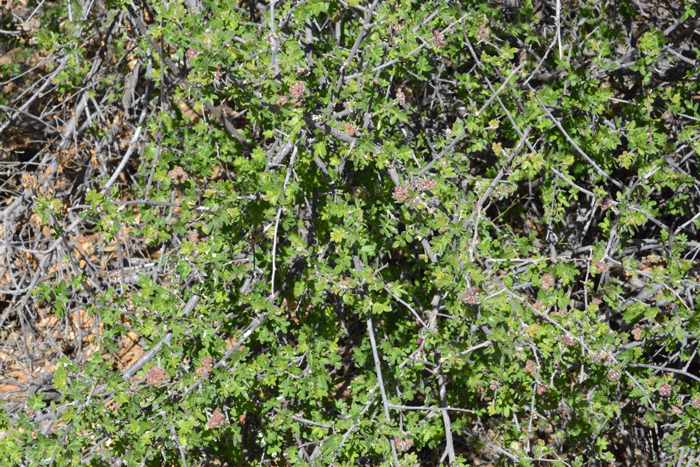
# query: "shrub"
{"type": "Point", "coordinates": [377, 233]}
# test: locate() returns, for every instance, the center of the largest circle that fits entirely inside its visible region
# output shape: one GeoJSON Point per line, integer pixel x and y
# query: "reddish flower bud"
{"type": "Point", "coordinates": [530, 367]}
{"type": "Point", "coordinates": [297, 90]}
{"type": "Point", "coordinates": [471, 295]}
{"type": "Point", "coordinates": [665, 389]}
{"type": "Point", "coordinates": [401, 97]}
{"type": "Point", "coordinates": [439, 39]}
{"type": "Point", "coordinates": [216, 420]}
{"type": "Point", "coordinates": [601, 266]}
{"type": "Point", "coordinates": [402, 444]}
{"type": "Point", "coordinates": [547, 281]}
{"type": "Point", "coordinates": [637, 333]}
{"type": "Point", "coordinates": [33, 24]}
{"type": "Point", "coordinates": [156, 376]}
{"type": "Point", "coordinates": [568, 340]}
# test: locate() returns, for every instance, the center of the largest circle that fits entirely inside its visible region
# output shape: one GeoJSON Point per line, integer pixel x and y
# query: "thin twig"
{"type": "Point", "coordinates": [380, 381]}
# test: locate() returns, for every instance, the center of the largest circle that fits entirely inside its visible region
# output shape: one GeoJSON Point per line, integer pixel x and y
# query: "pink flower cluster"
{"type": "Point", "coordinates": [471, 295]}
{"type": "Point", "coordinates": [542, 389]}
{"type": "Point", "coordinates": [401, 97]}
{"type": "Point", "coordinates": [156, 376]}
{"type": "Point", "coordinates": [601, 266]}
{"type": "Point", "coordinates": [193, 237]}
{"type": "Point", "coordinates": [568, 340]}
{"type": "Point", "coordinates": [349, 129]}
{"type": "Point", "coordinates": [271, 38]}
{"type": "Point", "coordinates": [696, 403]}
{"type": "Point", "coordinates": [665, 389]}
{"type": "Point", "coordinates": [217, 74]}
{"type": "Point", "coordinates": [501, 191]}
{"type": "Point", "coordinates": [483, 32]}
{"type": "Point", "coordinates": [403, 193]}
{"type": "Point", "coordinates": [205, 368]}
{"type": "Point", "coordinates": [439, 39]}
{"type": "Point", "coordinates": [177, 175]}
{"type": "Point", "coordinates": [403, 444]}
{"type": "Point", "coordinates": [539, 304]}
{"type": "Point", "coordinates": [547, 281]}
{"type": "Point", "coordinates": [216, 420]}
{"type": "Point", "coordinates": [393, 28]}
{"type": "Point", "coordinates": [33, 24]}
{"type": "Point", "coordinates": [296, 91]}
{"type": "Point", "coordinates": [424, 185]}
{"type": "Point", "coordinates": [637, 333]}
{"type": "Point", "coordinates": [605, 203]}
{"type": "Point", "coordinates": [561, 312]}
{"type": "Point", "coordinates": [614, 375]}
{"type": "Point", "coordinates": [191, 53]}
{"type": "Point", "coordinates": [494, 384]}
{"type": "Point", "coordinates": [530, 368]}
{"type": "Point", "coordinates": [598, 357]}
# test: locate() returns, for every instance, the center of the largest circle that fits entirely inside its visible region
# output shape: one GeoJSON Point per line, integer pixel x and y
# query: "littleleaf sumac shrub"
{"type": "Point", "coordinates": [376, 233]}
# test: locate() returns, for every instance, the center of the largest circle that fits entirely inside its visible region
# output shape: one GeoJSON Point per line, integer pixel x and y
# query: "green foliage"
{"type": "Point", "coordinates": [349, 196]}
